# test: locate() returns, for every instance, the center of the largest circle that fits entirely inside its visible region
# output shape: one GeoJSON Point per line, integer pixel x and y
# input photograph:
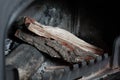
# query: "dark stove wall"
{"type": "Point", "coordinates": [104, 16]}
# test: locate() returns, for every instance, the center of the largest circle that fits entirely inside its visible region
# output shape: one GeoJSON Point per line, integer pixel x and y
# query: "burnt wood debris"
{"type": "Point", "coordinates": [56, 42]}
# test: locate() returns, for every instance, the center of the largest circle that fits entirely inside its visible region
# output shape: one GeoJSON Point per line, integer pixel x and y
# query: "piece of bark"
{"type": "Point", "coordinates": [40, 43]}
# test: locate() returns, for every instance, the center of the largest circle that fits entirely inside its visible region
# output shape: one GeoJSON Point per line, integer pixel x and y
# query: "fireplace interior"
{"type": "Point", "coordinates": [91, 21]}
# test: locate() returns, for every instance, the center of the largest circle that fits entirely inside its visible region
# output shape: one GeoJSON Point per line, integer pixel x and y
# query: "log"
{"type": "Point", "coordinates": [60, 35]}
{"type": "Point", "coordinates": [57, 42]}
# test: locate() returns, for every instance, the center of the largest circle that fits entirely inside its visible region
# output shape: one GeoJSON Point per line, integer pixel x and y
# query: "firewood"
{"type": "Point", "coordinates": [57, 42]}
{"type": "Point", "coordinates": [55, 48]}
{"type": "Point", "coordinates": [60, 35]}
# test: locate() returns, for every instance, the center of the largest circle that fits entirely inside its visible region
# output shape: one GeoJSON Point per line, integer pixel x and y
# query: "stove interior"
{"type": "Point", "coordinates": [90, 21]}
